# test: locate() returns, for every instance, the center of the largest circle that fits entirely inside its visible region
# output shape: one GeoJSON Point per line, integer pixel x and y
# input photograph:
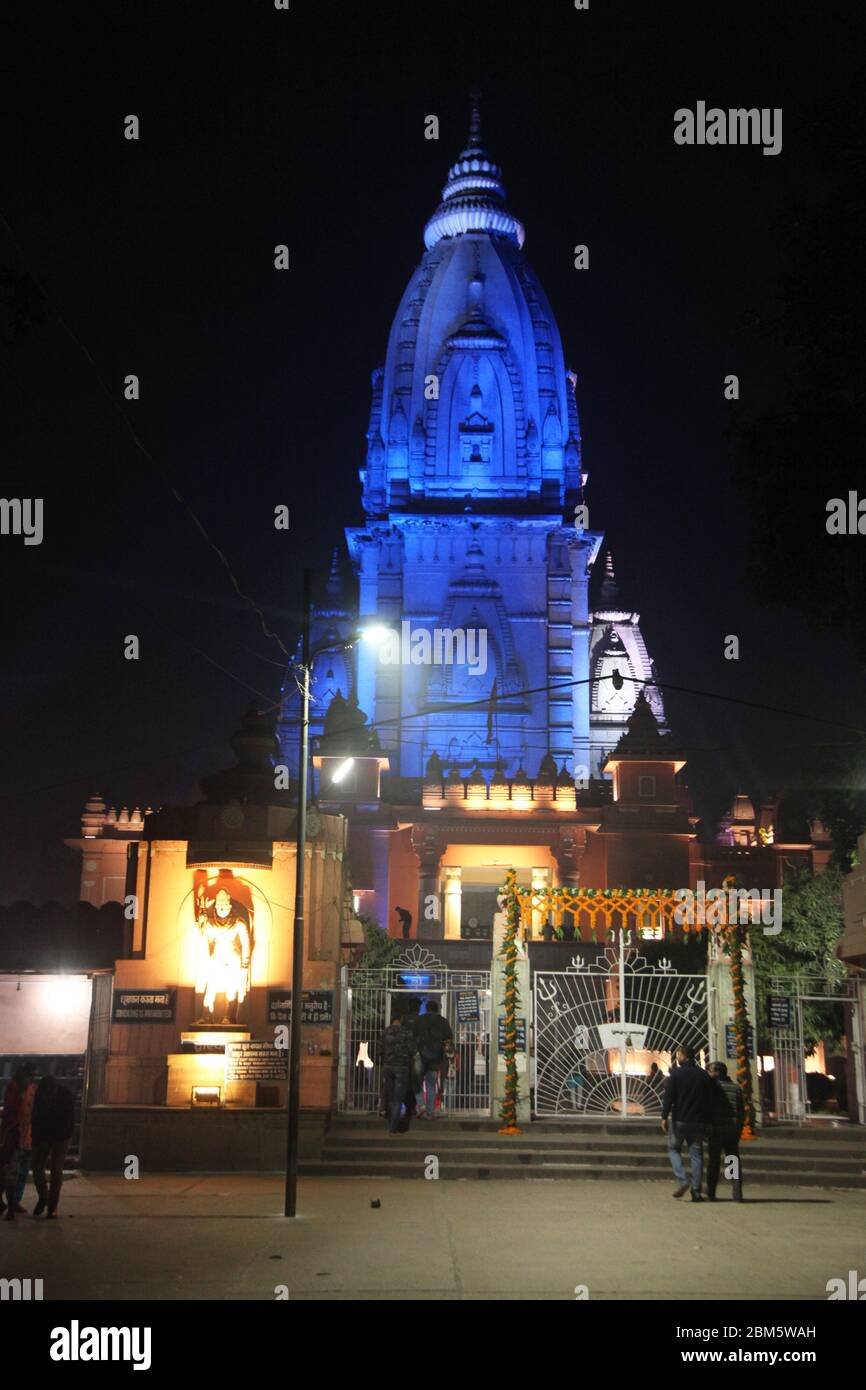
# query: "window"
{"type": "Point", "coordinates": [646, 786]}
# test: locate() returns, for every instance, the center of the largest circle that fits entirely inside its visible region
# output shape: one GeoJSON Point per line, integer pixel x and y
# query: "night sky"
{"type": "Point", "coordinates": [260, 127]}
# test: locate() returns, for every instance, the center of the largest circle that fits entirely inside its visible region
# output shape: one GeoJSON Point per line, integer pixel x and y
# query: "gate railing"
{"type": "Point", "coordinates": [592, 1017]}
{"type": "Point", "coordinates": [788, 1043]}
{"type": "Point", "coordinates": [370, 999]}
{"type": "Point", "coordinates": [659, 911]}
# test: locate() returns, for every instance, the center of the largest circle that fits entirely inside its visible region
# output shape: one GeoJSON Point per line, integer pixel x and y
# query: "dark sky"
{"type": "Point", "coordinates": [307, 127]}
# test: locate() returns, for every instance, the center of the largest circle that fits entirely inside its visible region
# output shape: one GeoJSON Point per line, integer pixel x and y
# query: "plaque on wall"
{"type": "Point", "coordinates": [779, 1010]}
{"type": "Point", "coordinates": [317, 1006]}
{"type": "Point", "coordinates": [257, 1060]}
{"type": "Point", "coordinates": [521, 1034]}
{"type": "Point", "coordinates": [731, 1042]}
{"type": "Point", "coordinates": [144, 1006]}
{"type": "Point", "coordinates": [466, 1003]}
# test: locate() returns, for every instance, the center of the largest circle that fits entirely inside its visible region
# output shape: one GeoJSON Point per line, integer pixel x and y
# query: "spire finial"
{"type": "Point", "coordinates": [475, 119]}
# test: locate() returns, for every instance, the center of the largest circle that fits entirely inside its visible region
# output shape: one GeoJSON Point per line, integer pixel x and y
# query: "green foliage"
{"type": "Point", "coordinates": [379, 951]}
{"type": "Point", "coordinates": [812, 923]}
{"type": "Point", "coordinates": [379, 948]}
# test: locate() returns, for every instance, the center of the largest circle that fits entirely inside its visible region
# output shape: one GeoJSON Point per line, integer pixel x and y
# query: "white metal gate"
{"type": "Point", "coordinates": [600, 1024]}
{"type": "Point", "coordinates": [784, 1081]}
{"type": "Point", "coordinates": [370, 1000]}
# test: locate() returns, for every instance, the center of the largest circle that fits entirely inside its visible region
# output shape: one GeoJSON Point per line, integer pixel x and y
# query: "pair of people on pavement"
{"type": "Point", "coordinates": [414, 1049]}
{"type": "Point", "coordinates": [698, 1104]}
{"type": "Point", "coordinates": [36, 1127]}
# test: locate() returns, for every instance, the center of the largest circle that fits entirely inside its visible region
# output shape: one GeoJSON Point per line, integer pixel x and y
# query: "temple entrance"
{"type": "Point", "coordinates": [811, 1064]}
{"type": "Point", "coordinates": [605, 1032]}
{"type": "Point", "coordinates": [371, 998]}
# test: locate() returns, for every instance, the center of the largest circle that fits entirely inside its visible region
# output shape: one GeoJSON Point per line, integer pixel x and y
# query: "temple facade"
{"type": "Point", "coordinates": [476, 529]}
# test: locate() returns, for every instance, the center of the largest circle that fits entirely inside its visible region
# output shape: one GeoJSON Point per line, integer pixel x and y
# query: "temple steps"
{"type": "Point", "coordinates": [357, 1146]}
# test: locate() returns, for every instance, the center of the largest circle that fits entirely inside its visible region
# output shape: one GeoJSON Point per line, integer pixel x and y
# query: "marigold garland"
{"type": "Point", "coordinates": [508, 950]}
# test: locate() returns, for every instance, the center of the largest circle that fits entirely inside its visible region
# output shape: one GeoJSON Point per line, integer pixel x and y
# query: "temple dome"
{"type": "Point", "coordinates": [475, 363]}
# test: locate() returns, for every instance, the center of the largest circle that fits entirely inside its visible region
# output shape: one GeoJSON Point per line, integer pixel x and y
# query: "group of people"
{"type": "Point", "coordinates": [415, 1052]}
{"type": "Point", "coordinates": [36, 1127]}
{"type": "Point", "coordinates": [699, 1105]}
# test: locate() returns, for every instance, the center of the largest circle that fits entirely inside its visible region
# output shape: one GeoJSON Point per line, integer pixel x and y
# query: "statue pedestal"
{"type": "Point", "coordinates": [201, 1063]}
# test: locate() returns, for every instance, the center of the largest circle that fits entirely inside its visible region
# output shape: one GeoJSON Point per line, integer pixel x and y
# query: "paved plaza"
{"type": "Point", "coordinates": [186, 1236]}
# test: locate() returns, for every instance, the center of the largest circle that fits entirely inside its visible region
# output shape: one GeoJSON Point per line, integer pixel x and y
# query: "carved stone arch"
{"type": "Point", "coordinates": [512, 431]}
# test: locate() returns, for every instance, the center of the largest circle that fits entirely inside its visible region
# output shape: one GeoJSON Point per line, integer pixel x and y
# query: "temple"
{"type": "Point", "coordinates": [511, 727]}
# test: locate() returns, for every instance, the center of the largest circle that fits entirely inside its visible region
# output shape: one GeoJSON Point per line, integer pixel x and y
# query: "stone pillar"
{"type": "Point", "coordinates": [453, 900]}
{"type": "Point", "coordinates": [539, 885]}
{"type": "Point", "coordinates": [720, 1011]}
{"type": "Point", "coordinates": [497, 1012]}
{"type": "Point", "coordinates": [580, 551]}
{"type": "Point", "coordinates": [380, 854]}
{"type": "Point", "coordinates": [568, 852]}
{"type": "Point", "coordinates": [368, 609]}
{"type": "Point", "coordinates": [428, 848]}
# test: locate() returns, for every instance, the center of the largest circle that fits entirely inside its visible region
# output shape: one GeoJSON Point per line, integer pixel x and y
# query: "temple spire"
{"type": "Point", "coordinates": [474, 142]}
{"type": "Point", "coordinates": [473, 199]}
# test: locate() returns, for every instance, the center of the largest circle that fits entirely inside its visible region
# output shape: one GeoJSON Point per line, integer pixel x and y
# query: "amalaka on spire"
{"type": "Point", "coordinates": [473, 199]}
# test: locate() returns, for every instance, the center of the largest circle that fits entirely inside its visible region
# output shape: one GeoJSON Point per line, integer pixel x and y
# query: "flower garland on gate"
{"type": "Point", "coordinates": [733, 946]}
{"type": "Point", "coordinates": [508, 951]}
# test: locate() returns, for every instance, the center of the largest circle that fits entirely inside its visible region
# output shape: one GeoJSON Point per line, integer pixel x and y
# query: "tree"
{"type": "Point", "coordinates": [812, 924]}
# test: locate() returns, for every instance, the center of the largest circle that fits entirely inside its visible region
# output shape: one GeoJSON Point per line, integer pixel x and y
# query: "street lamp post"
{"type": "Point", "coordinates": [293, 1100]}
{"type": "Point", "coordinates": [294, 1097]}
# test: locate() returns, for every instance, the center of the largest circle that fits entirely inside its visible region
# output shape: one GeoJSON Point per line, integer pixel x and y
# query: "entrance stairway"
{"type": "Point", "coordinates": [359, 1146]}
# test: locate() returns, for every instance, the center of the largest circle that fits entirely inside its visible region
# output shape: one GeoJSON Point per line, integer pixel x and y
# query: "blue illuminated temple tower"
{"type": "Point", "coordinates": [472, 474]}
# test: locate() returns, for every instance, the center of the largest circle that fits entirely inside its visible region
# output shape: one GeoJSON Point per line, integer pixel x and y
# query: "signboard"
{"type": "Point", "coordinates": [256, 1060]}
{"type": "Point", "coordinates": [144, 1006]}
{"type": "Point", "coordinates": [620, 1035]}
{"type": "Point", "coordinates": [417, 979]}
{"type": "Point", "coordinates": [731, 1041]}
{"type": "Point", "coordinates": [779, 1010]}
{"type": "Point", "coordinates": [317, 1006]}
{"type": "Point", "coordinates": [467, 1006]}
{"type": "Point", "coordinates": [521, 1034]}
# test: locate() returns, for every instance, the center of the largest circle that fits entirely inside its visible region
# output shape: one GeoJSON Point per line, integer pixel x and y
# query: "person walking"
{"type": "Point", "coordinates": [53, 1121]}
{"type": "Point", "coordinates": [434, 1034]}
{"type": "Point", "coordinates": [398, 1050]}
{"type": "Point", "coordinates": [687, 1107]}
{"type": "Point", "coordinates": [15, 1139]}
{"type": "Point", "coordinates": [726, 1126]}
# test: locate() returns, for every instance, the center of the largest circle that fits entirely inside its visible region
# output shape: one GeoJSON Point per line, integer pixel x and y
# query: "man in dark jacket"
{"type": "Point", "coordinates": [687, 1105]}
{"type": "Point", "coordinates": [726, 1124]}
{"type": "Point", "coordinates": [52, 1123]}
{"type": "Point", "coordinates": [397, 1052]}
{"type": "Point", "coordinates": [434, 1034]}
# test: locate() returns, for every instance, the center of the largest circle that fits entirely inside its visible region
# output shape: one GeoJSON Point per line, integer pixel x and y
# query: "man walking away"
{"type": "Point", "coordinates": [398, 1048]}
{"type": "Point", "coordinates": [52, 1122]}
{"type": "Point", "coordinates": [433, 1032]}
{"type": "Point", "coordinates": [726, 1125]}
{"type": "Point", "coordinates": [687, 1106]}
{"type": "Point", "coordinates": [405, 921]}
